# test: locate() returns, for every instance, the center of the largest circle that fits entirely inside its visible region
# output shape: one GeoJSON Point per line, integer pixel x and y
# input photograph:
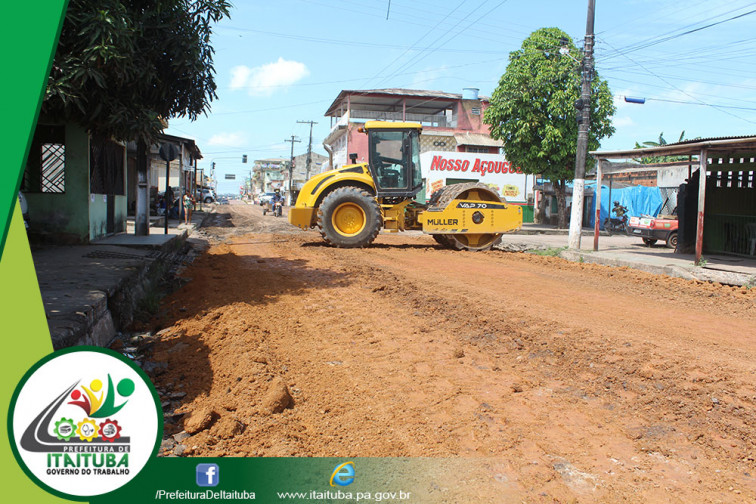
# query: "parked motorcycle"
{"type": "Point", "coordinates": [616, 224]}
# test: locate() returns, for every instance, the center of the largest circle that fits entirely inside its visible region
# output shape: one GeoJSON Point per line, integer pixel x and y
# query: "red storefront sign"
{"type": "Point", "coordinates": [476, 165]}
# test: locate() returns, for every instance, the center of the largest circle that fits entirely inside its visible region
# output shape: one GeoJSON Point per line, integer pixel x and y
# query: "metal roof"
{"type": "Point", "coordinates": [391, 100]}
{"type": "Point", "coordinates": [189, 142]}
{"type": "Point", "coordinates": [478, 139]}
{"type": "Point", "coordinates": [691, 147]}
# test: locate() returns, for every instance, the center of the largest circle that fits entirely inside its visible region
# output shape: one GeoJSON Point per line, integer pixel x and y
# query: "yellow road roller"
{"type": "Point", "coordinates": [351, 205]}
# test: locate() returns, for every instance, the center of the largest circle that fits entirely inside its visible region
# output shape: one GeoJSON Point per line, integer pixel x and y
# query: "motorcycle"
{"type": "Point", "coordinates": [278, 208]}
{"type": "Point", "coordinates": [616, 224]}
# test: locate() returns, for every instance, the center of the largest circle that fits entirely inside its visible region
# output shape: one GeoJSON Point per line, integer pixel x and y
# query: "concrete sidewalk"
{"type": "Point", "coordinates": [629, 251]}
{"type": "Point", "coordinates": [92, 291]}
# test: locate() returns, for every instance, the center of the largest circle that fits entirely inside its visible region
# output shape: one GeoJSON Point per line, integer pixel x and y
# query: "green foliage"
{"type": "Point", "coordinates": [659, 143]}
{"type": "Point", "coordinates": [532, 110]}
{"type": "Point", "coordinates": [122, 67]}
{"type": "Point", "coordinates": [550, 252]}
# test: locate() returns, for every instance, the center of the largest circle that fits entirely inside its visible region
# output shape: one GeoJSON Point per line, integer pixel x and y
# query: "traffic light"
{"type": "Point", "coordinates": [244, 158]}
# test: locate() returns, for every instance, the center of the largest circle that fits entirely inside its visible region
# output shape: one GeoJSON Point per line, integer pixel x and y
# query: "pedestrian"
{"type": "Point", "coordinates": [188, 207]}
{"type": "Point", "coordinates": [168, 200]}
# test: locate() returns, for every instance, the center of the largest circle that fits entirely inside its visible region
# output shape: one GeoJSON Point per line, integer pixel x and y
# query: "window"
{"type": "Point", "coordinates": [388, 159]}
{"type": "Point", "coordinates": [53, 173]}
{"type": "Point", "coordinates": [395, 160]}
{"type": "Point", "coordinates": [480, 150]}
{"type": "Point", "coordinates": [46, 166]}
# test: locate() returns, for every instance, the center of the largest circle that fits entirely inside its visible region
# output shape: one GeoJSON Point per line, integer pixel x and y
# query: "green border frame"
{"type": "Point", "coordinates": [44, 360]}
{"type": "Point", "coordinates": [31, 76]}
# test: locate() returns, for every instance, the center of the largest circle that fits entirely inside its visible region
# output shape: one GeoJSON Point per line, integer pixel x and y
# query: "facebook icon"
{"type": "Point", "coordinates": [207, 475]}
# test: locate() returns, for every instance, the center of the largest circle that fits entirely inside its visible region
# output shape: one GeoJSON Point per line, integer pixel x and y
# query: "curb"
{"type": "Point", "coordinates": [691, 273]}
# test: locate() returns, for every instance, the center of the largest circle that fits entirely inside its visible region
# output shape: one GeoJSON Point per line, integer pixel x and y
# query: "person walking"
{"type": "Point", "coordinates": [188, 207]}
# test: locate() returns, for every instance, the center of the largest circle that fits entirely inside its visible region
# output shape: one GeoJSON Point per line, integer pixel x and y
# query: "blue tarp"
{"type": "Point", "coordinates": [639, 200]}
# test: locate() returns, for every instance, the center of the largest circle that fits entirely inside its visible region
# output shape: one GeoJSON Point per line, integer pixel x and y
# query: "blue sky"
{"type": "Point", "coordinates": [286, 61]}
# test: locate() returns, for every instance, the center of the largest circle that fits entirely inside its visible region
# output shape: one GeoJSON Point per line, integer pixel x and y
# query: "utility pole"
{"type": "Point", "coordinates": [309, 149]}
{"type": "Point", "coordinates": [584, 107]}
{"type": "Point", "coordinates": [291, 163]}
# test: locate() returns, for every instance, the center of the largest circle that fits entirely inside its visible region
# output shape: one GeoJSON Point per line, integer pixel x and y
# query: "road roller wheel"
{"type": "Point", "coordinates": [349, 217]}
{"type": "Point", "coordinates": [446, 241]}
{"type": "Point", "coordinates": [472, 191]}
{"type": "Point", "coordinates": [474, 242]}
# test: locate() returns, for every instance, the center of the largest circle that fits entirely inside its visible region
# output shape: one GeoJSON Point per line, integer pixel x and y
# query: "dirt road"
{"type": "Point", "coordinates": [585, 383]}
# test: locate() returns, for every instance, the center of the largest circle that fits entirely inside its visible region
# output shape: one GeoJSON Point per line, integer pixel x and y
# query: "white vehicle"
{"type": "Point", "coordinates": [208, 195]}
{"type": "Point", "coordinates": [266, 198]}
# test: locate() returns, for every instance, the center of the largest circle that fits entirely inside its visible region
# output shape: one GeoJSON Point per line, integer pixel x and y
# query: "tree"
{"type": "Point", "coordinates": [533, 110]}
{"type": "Point", "coordinates": [123, 67]}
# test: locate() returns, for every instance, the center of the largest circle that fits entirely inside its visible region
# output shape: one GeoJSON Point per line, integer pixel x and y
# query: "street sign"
{"type": "Point", "coordinates": [230, 176]}
{"type": "Point", "coordinates": [168, 152]}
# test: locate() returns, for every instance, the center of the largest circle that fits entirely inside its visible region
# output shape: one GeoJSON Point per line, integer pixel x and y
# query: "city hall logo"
{"type": "Point", "coordinates": [84, 422]}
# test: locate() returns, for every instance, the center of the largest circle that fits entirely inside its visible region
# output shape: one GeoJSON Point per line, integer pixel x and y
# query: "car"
{"type": "Point", "coordinates": [652, 229]}
{"type": "Point", "coordinates": [266, 198]}
{"type": "Point", "coordinates": [208, 195]}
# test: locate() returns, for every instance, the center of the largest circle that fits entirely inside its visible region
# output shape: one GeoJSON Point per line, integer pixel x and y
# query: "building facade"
{"type": "Point", "coordinates": [300, 174]}
{"type": "Point", "coordinates": [75, 185]}
{"type": "Point", "coordinates": [80, 188]}
{"type": "Point", "coordinates": [268, 175]}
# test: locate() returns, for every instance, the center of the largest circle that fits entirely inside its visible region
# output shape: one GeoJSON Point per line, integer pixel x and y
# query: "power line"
{"type": "Point", "coordinates": [418, 57]}
{"type": "Point", "coordinates": [694, 103]}
{"type": "Point", "coordinates": [497, 30]}
{"type": "Point", "coordinates": [684, 92]}
{"type": "Point", "coordinates": [417, 41]}
{"type": "Point", "coordinates": [342, 81]}
{"type": "Point", "coordinates": [656, 41]}
{"type": "Point", "coordinates": [355, 43]}
{"type": "Point", "coordinates": [621, 79]}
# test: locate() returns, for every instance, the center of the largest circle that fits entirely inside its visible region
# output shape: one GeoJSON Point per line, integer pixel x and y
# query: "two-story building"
{"type": "Point", "coordinates": [455, 144]}
{"type": "Point", "coordinates": [300, 174]}
{"type": "Point", "coordinates": [268, 175]}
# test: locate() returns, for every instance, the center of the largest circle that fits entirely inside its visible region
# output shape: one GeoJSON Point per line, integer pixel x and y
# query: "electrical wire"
{"type": "Point", "coordinates": [672, 35]}
{"type": "Point", "coordinates": [686, 93]}
{"type": "Point", "coordinates": [420, 56]}
{"type": "Point", "coordinates": [682, 102]}
{"type": "Point", "coordinates": [417, 41]}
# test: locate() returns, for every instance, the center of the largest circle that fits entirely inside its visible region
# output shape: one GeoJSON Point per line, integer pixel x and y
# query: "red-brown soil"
{"type": "Point", "coordinates": [586, 383]}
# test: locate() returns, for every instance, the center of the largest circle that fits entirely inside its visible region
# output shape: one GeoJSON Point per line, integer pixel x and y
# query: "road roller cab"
{"type": "Point", "coordinates": [394, 158]}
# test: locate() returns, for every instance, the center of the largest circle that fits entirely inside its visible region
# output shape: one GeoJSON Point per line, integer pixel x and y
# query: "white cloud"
{"type": "Point", "coordinates": [228, 139]}
{"type": "Point", "coordinates": [623, 122]}
{"type": "Point", "coordinates": [239, 76]}
{"type": "Point", "coordinates": [265, 79]}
